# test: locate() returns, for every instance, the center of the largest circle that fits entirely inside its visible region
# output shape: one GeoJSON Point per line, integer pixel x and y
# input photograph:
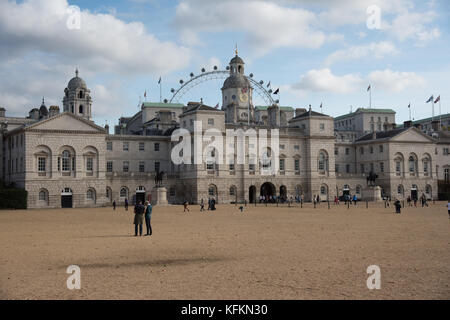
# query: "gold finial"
{"type": "Point", "coordinates": [236, 50]}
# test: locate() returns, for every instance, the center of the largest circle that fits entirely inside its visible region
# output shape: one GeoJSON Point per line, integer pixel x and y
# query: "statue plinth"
{"type": "Point", "coordinates": [159, 196]}
{"type": "Point", "coordinates": [372, 193]}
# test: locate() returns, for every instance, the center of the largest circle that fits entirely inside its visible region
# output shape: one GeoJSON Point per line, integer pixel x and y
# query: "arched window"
{"type": "Point", "coordinates": [43, 195]}
{"type": "Point", "coordinates": [322, 161]}
{"type": "Point", "coordinates": [65, 158]}
{"type": "Point", "coordinates": [400, 190]}
{"type": "Point", "coordinates": [412, 164]}
{"type": "Point", "coordinates": [323, 190]}
{"type": "Point", "coordinates": [358, 190]}
{"type": "Point", "coordinates": [90, 194]}
{"type": "Point", "coordinates": [232, 191]}
{"type": "Point", "coordinates": [212, 190]}
{"type": "Point", "coordinates": [123, 192]}
{"type": "Point", "coordinates": [81, 94]}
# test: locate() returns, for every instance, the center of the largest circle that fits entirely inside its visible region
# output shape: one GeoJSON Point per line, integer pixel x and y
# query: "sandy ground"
{"type": "Point", "coordinates": [262, 253]}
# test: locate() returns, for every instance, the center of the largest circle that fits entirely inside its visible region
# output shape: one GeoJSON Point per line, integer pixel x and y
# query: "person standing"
{"type": "Point", "coordinates": [148, 218]}
{"type": "Point", "coordinates": [398, 206]}
{"type": "Point", "coordinates": [202, 206]}
{"type": "Point", "coordinates": [355, 199]}
{"type": "Point", "coordinates": [114, 204]}
{"type": "Point", "coordinates": [185, 204]}
{"type": "Point", "coordinates": [209, 203]}
{"type": "Point", "coordinates": [138, 218]}
{"type": "Point", "coordinates": [448, 208]}
{"type": "Point", "coordinates": [126, 204]}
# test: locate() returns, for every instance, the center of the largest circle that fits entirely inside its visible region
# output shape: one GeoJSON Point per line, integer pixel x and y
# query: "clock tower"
{"type": "Point", "coordinates": [237, 94]}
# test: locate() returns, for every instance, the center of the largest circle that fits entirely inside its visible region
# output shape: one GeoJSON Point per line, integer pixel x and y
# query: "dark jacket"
{"type": "Point", "coordinates": [139, 214]}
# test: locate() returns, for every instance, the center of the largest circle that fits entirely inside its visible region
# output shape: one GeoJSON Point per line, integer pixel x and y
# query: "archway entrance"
{"type": "Point", "coordinates": [140, 194]}
{"type": "Point", "coordinates": [283, 193]}
{"type": "Point", "coordinates": [252, 194]}
{"type": "Point", "coordinates": [66, 198]}
{"type": "Point", "coordinates": [268, 190]}
{"type": "Point", "coordinates": [414, 195]}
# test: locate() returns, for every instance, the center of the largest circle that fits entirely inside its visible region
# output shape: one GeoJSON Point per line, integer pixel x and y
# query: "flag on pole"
{"type": "Point", "coordinates": [268, 85]}
{"type": "Point", "coordinates": [437, 99]}
{"type": "Point", "coordinates": [368, 88]}
{"type": "Point", "coordinates": [159, 81]}
{"type": "Point", "coordinates": [430, 100]}
{"type": "Point", "coordinates": [321, 105]}
{"type": "Point", "coordinates": [276, 91]}
{"type": "Point", "coordinates": [409, 105]}
{"type": "Point", "coordinates": [145, 94]}
{"type": "Point", "coordinates": [244, 90]}
{"type": "Point", "coordinates": [217, 105]}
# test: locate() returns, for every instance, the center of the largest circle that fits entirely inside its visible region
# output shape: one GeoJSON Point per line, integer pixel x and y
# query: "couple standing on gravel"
{"type": "Point", "coordinates": [139, 211]}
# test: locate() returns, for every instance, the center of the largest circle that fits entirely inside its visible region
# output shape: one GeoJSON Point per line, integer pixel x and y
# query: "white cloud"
{"type": "Point", "coordinates": [323, 80]}
{"type": "Point", "coordinates": [266, 25]}
{"type": "Point", "coordinates": [395, 81]}
{"type": "Point", "coordinates": [372, 50]}
{"type": "Point", "coordinates": [102, 43]}
{"type": "Point", "coordinates": [414, 26]}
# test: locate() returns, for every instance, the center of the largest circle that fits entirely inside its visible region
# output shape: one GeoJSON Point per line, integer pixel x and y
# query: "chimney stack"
{"type": "Point", "coordinates": [407, 124]}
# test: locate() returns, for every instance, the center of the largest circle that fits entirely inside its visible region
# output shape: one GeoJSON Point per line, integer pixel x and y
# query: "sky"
{"type": "Point", "coordinates": [316, 52]}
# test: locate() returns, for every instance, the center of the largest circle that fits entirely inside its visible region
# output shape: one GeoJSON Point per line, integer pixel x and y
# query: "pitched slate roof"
{"type": "Point", "coordinates": [284, 108]}
{"type": "Point", "coordinates": [161, 105]}
{"type": "Point", "coordinates": [382, 134]}
{"type": "Point", "coordinates": [310, 113]}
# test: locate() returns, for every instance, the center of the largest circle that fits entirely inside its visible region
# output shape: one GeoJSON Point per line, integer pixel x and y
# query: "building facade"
{"type": "Point", "coordinates": [63, 159]}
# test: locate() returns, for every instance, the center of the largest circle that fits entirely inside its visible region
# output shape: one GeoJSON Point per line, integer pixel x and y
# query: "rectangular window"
{"type": "Point", "coordinates": [362, 167]}
{"type": "Point", "coordinates": [209, 165]}
{"type": "Point", "coordinates": [347, 151]}
{"type": "Point", "coordinates": [211, 121]}
{"type": "Point", "coordinates": [380, 148]}
{"type": "Point", "coordinates": [445, 151]}
{"type": "Point", "coordinates": [425, 167]}
{"type": "Point", "coordinates": [297, 165]}
{"type": "Point", "coordinates": [65, 164]}
{"type": "Point", "coordinates": [282, 164]}
{"type": "Point", "coordinates": [336, 151]}
{"type": "Point", "coordinates": [371, 149]}
{"type": "Point", "coordinates": [126, 166]}
{"type": "Point", "coordinates": [231, 167]}
{"type": "Point", "coordinates": [381, 167]}
{"type": "Point", "coordinates": [41, 164]}
{"type": "Point", "coordinates": [141, 146]}
{"type": "Point", "coordinates": [109, 146]}
{"type": "Point", "coordinates": [347, 168]}
{"type": "Point", "coordinates": [336, 168]}
{"type": "Point", "coordinates": [296, 147]}
{"type": "Point", "coordinates": [397, 166]}
{"type": "Point", "coordinates": [322, 127]}
{"type": "Point", "coordinates": [141, 166]}
{"type": "Point", "coordinates": [89, 164]}
{"type": "Point", "coordinates": [282, 146]}
{"type": "Point", "coordinates": [156, 146]}
{"type": "Point", "coordinates": [361, 150]}
{"type": "Point", "coordinates": [251, 167]}
{"type": "Point", "coordinates": [125, 146]}
{"type": "Point", "coordinates": [109, 166]}
{"type": "Point", "coordinates": [157, 166]}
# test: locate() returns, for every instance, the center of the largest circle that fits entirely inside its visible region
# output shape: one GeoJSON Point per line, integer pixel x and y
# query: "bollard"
{"type": "Point", "coordinates": [348, 205]}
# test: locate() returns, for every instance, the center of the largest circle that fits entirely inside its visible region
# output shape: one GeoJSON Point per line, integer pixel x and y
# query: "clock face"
{"type": "Point", "coordinates": [243, 97]}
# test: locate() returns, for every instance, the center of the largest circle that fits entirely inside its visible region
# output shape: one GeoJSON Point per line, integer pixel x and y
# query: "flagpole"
{"type": "Point", "coordinates": [409, 107]}
{"type": "Point", "coordinates": [370, 97]}
{"type": "Point", "coordinates": [432, 109]}
{"type": "Point", "coordinates": [440, 116]}
{"type": "Point", "coordinates": [160, 91]}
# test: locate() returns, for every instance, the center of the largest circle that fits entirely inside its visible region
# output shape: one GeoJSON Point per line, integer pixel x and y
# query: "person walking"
{"type": "Point", "coordinates": [398, 206]}
{"type": "Point", "coordinates": [185, 204]}
{"type": "Point", "coordinates": [355, 199]}
{"type": "Point", "coordinates": [448, 208]}
{"type": "Point", "coordinates": [126, 204]}
{"type": "Point", "coordinates": [114, 204]}
{"type": "Point", "coordinates": [138, 218]}
{"type": "Point", "coordinates": [209, 203]}
{"type": "Point", "coordinates": [202, 206]}
{"type": "Point", "coordinates": [148, 218]}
